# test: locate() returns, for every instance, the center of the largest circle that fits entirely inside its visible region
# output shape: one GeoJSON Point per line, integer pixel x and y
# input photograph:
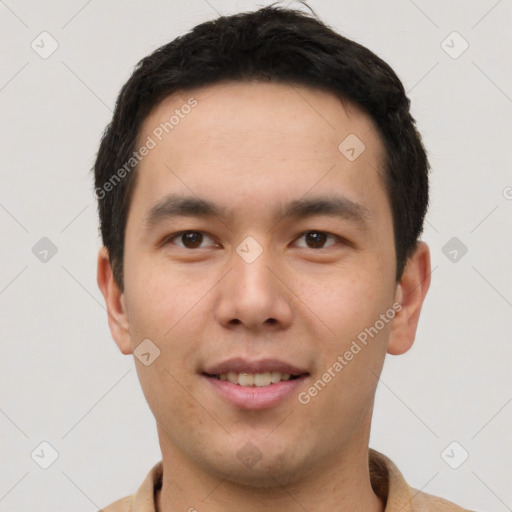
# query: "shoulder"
{"type": "Point", "coordinates": [144, 498]}
{"type": "Point", "coordinates": [390, 485]}
{"type": "Point", "coordinates": [423, 502]}
{"type": "Point", "coordinates": [122, 505]}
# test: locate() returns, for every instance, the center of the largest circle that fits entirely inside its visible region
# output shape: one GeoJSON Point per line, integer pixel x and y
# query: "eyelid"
{"type": "Point", "coordinates": [178, 234]}
{"type": "Point", "coordinates": [332, 235]}
{"type": "Point", "coordinates": [338, 238]}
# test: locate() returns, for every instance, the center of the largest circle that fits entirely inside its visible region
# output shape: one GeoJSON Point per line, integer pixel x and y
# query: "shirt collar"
{"type": "Point", "coordinates": [387, 482]}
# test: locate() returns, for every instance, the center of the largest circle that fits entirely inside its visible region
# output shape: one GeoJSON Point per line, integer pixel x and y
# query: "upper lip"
{"type": "Point", "coordinates": [240, 365]}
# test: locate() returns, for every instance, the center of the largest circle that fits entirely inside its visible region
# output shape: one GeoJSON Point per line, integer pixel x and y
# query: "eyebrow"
{"type": "Point", "coordinates": [174, 205]}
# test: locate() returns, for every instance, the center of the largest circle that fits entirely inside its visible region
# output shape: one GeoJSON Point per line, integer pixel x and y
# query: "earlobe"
{"type": "Point", "coordinates": [410, 293]}
{"type": "Point", "coordinates": [115, 303]}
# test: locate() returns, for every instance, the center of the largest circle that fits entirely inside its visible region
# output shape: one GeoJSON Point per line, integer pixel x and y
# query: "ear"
{"type": "Point", "coordinates": [410, 293]}
{"type": "Point", "coordinates": [114, 300]}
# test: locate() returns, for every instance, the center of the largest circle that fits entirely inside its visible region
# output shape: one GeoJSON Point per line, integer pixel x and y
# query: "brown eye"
{"type": "Point", "coordinates": [316, 239]}
{"type": "Point", "coordinates": [188, 239]}
{"type": "Point", "coordinates": [192, 239]}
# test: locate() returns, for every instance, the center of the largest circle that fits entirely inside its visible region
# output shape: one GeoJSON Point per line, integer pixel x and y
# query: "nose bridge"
{"type": "Point", "coordinates": [251, 267]}
{"type": "Point", "coordinates": [252, 279]}
{"type": "Point", "coordinates": [252, 294]}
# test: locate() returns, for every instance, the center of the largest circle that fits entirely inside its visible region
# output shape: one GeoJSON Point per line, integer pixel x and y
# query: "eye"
{"type": "Point", "coordinates": [316, 239]}
{"type": "Point", "coordinates": [189, 239]}
{"type": "Point", "coordinates": [194, 239]}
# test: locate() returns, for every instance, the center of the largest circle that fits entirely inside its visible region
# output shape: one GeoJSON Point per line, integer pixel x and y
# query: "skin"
{"type": "Point", "coordinates": [251, 147]}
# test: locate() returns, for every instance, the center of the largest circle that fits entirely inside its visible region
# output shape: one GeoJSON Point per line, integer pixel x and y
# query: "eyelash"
{"type": "Point", "coordinates": [168, 239]}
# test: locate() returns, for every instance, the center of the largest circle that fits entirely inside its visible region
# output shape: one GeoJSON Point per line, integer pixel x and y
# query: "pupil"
{"type": "Point", "coordinates": [192, 237]}
{"type": "Point", "coordinates": [316, 239]}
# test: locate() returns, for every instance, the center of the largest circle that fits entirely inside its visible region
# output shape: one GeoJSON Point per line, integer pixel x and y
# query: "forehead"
{"type": "Point", "coordinates": [235, 109]}
{"type": "Point", "coordinates": [260, 140]}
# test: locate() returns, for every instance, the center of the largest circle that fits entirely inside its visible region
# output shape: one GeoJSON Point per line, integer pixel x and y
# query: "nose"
{"type": "Point", "coordinates": [255, 294]}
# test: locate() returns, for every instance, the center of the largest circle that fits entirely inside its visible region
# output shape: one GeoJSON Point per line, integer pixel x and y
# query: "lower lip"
{"type": "Point", "coordinates": [264, 397]}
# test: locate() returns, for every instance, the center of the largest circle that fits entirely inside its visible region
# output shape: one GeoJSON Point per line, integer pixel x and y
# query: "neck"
{"type": "Point", "coordinates": [341, 482]}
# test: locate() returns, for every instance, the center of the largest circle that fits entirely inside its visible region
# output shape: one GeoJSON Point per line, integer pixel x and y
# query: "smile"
{"type": "Point", "coordinates": [251, 391]}
{"type": "Point", "coordinates": [255, 379]}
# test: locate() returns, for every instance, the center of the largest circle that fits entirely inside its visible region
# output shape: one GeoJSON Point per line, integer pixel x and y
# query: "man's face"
{"type": "Point", "coordinates": [255, 284]}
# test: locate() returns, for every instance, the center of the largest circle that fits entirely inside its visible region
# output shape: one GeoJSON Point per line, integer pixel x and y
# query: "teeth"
{"type": "Point", "coordinates": [254, 379]}
{"type": "Point", "coordinates": [246, 379]}
{"type": "Point", "coordinates": [262, 379]}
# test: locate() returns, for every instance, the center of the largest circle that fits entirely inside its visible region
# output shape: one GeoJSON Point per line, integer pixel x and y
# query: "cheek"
{"type": "Point", "coordinates": [352, 353]}
{"type": "Point", "coordinates": [161, 297]}
{"type": "Point", "coordinates": [349, 327]}
{"type": "Point", "coordinates": [170, 396]}
{"type": "Point", "coordinates": [166, 309]}
{"type": "Point", "coordinates": [347, 300]}
{"type": "Point", "coordinates": [167, 317]}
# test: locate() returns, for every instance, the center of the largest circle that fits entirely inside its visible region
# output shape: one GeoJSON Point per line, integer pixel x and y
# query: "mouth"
{"type": "Point", "coordinates": [249, 384]}
{"type": "Point", "coordinates": [259, 380]}
{"type": "Point", "coordinates": [256, 389]}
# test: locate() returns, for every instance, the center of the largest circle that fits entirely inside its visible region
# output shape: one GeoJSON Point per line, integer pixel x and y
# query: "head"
{"type": "Point", "coordinates": [274, 45]}
{"type": "Point", "coordinates": [262, 189]}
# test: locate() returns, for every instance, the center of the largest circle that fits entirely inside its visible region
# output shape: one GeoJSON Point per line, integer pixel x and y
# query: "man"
{"type": "Point", "coordinates": [262, 189]}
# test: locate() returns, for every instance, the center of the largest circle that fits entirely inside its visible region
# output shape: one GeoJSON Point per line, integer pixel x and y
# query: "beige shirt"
{"type": "Point", "coordinates": [387, 482]}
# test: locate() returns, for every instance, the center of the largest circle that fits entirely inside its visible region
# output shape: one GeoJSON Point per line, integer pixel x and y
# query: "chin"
{"type": "Point", "coordinates": [250, 467]}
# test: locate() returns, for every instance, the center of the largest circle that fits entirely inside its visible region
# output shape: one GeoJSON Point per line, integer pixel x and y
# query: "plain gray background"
{"type": "Point", "coordinates": [63, 379]}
